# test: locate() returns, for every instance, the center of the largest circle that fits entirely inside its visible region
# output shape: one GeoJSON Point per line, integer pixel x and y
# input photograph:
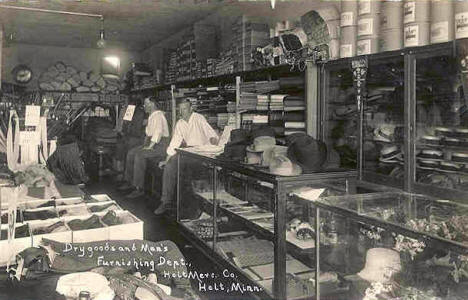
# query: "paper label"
{"type": "Point", "coordinates": [347, 19]}
{"type": "Point", "coordinates": [409, 12]}
{"type": "Point", "coordinates": [411, 36]}
{"type": "Point", "coordinates": [33, 115]}
{"type": "Point", "coordinates": [364, 7]}
{"type": "Point", "coordinates": [363, 47]}
{"type": "Point", "coordinates": [129, 113]}
{"type": "Point", "coordinates": [29, 138]}
{"type": "Point", "coordinates": [365, 26]}
{"type": "Point", "coordinates": [439, 32]}
{"type": "Point", "coordinates": [461, 25]}
{"type": "Point", "coordinates": [346, 50]}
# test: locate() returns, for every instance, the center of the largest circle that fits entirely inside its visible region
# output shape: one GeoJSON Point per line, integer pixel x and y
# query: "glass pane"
{"type": "Point", "coordinates": [340, 116]}
{"type": "Point", "coordinates": [442, 125]}
{"type": "Point", "coordinates": [383, 126]}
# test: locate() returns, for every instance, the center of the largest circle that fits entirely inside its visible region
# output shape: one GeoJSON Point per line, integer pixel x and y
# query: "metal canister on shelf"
{"type": "Point", "coordinates": [348, 40]}
{"type": "Point", "coordinates": [461, 19]}
{"type": "Point", "coordinates": [416, 34]}
{"type": "Point", "coordinates": [391, 39]}
{"type": "Point", "coordinates": [391, 15]}
{"type": "Point", "coordinates": [369, 7]}
{"type": "Point", "coordinates": [366, 45]}
{"type": "Point", "coordinates": [84, 295]}
{"type": "Point", "coordinates": [349, 9]}
{"type": "Point", "coordinates": [416, 11]}
{"type": "Point", "coordinates": [442, 21]}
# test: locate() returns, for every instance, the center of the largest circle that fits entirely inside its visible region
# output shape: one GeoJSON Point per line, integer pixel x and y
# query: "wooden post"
{"type": "Point", "coordinates": [1, 54]}
{"type": "Point", "coordinates": [312, 99]}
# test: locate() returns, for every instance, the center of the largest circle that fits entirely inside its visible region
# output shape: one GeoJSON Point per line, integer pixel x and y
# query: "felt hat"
{"type": "Point", "coordinates": [281, 165]}
{"type": "Point", "coordinates": [390, 153]}
{"type": "Point", "coordinates": [233, 152]}
{"type": "Point", "coordinates": [308, 153]}
{"type": "Point", "coordinates": [381, 264]}
{"type": "Point", "coordinates": [261, 143]}
{"type": "Point", "coordinates": [263, 131]}
{"type": "Point", "coordinates": [239, 136]}
{"type": "Point", "coordinates": [292, 137]}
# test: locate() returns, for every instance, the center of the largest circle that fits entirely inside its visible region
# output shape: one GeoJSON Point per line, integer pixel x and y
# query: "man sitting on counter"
{"type": "Point", "coordinates": [192, 129]}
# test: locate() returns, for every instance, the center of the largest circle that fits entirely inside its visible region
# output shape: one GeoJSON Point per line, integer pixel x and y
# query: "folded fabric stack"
{"type": "Point", "coordinates": [276, 102]}
{"type": "Point", "coordinates": [56, 227]}
{"type": "Point", "coordinates": [260, 119]}
{"type": "Point", "coordinates": [248, 101]}
{"type": "Point", "coordinates": [262, 102]}
{"type": "Point", "coordinates": [294, 103]}
{"type": "Point", "coordinates": [20, 231]}
{"type": "Point", "coordinates": [294, 122]}
{"type": "Point", "coordinates": [260, 87]}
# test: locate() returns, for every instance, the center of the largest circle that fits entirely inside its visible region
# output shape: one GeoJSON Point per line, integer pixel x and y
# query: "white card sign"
{"type": "Point", "coordinates": [129, 113]}
{"type": "Point", "coordinates": [33, 115]}
{"type": "Point", "coordinates": [29, 138]}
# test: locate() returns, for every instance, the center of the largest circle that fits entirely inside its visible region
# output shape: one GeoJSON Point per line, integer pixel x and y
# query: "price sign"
{"type": "Point", "coordinates": [33, 115]}
{"type": "Point", "coordinates": [129, 113]}
{"type": "Point", "coordinates": [359, 67]}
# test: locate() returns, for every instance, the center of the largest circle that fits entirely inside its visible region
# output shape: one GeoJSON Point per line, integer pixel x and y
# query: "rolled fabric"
{"type": "Point", "coordinates": [291, 82]}
{"type": "Point", "coordinates": [293, 101]}
{"type": "Point", "coordinates": [294, 117]}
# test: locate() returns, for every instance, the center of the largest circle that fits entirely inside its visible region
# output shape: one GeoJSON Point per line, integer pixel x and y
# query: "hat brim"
{"type": "Point", "coordinates": [296, 171]}
{"type": "Point", "coordinates": [250, 149]}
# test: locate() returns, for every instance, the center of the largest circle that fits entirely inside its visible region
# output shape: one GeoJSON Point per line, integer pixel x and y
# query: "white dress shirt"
{"type": "Point", "coordinates": [195, 132]}
{"type": "Point", "coordinates": [157, 126]}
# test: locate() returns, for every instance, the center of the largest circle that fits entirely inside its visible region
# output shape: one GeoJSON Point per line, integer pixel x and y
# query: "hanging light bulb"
{"type": "Point", "coordinates": [101, 43]}
{"type": "Point", "coordinates": [273, 3]}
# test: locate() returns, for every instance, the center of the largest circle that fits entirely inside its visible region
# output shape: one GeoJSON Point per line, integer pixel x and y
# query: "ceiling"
{"type": "Point", "coordinates": [132, 25]}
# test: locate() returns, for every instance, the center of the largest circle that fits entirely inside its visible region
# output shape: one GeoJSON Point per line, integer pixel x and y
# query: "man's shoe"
{"type": "Point", "coordinates": [135, 194]}
{"type": "Point", "coordinates": [125, 187]}
{"type": "Point", "coordinates": [162, 209]}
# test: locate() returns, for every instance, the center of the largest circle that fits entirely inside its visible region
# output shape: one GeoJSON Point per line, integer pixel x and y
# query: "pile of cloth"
{"type": "Point", "coordinates": [83, 273]}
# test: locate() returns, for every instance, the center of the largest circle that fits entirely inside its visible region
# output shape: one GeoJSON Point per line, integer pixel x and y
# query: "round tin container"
{"type": "Point", "coordinates": [416, 11]}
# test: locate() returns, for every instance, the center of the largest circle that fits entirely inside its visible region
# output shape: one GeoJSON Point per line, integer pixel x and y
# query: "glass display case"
{"type": "Point", "coordinates": [392, 245]}
{"type": "Point", "coordinates": [441, 135]}
{"type": "Point", "coordinates": [383, 118]}
{"type": "Point", "coordinates": [241, 217]}
{"type": "Point", "coordinates": [412, 131]}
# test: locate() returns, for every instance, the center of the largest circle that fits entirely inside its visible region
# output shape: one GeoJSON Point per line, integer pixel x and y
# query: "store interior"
{"type": "Point", "coordinates": [234, 149]}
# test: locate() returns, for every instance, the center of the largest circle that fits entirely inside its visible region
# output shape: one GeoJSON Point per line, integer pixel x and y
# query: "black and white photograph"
{"type": "Point", "coordinates": [234, 149]}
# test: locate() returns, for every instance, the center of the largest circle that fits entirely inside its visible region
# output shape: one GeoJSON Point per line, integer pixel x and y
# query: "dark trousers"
{"type": "Point", "coordinates": [125, 144]}
{"type": "Point", "coordinates": [135, 168]}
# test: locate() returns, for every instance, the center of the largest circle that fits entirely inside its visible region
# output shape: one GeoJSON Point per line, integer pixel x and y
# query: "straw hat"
{"type": "Point", "coordinates": [381, 264]}
{"type": "Point", "coordinates": [261, 144]}
{"type": "Point", "coordinates": [283, 166]}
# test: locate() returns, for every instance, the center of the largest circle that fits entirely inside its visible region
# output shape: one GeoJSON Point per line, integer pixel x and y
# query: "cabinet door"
{"type": "Point", "coordinates": [383, 122]}
{"type": "Point", "coordinates": [441, 124]}
{"type": "Point", "coordinates": [339, 115]}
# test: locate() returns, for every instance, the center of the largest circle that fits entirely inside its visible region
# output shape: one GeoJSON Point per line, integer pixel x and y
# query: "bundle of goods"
{"type": "Point", "coordinates": [60, 77]}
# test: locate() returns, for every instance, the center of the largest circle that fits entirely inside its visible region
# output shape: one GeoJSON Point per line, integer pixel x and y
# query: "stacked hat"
{"type": "Point", "coordinates": [309, 153]}
{"type": "Point", "coordinates": [235, 149]}
{"type": "Point", "coordinates": [263, 138]}
{"type": "Point", "coordinates": [391, 154]}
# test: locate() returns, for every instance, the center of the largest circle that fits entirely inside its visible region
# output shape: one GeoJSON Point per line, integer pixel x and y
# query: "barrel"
{"type": "Point", "coordinates": [348, 41]}
{"type": "Point", "coordinates": [391, 16]}
{"type": "Point", "coordinates": [349, 9]}
{"type": "Point", "coordinates": [461, 19]}
{"type": "Point", "coordinates": [391, 39]}
{"type": "Point", "coordinates": [416, 11]}
{"type": "Point", "coordinates": [416, 34]}
{"type": "Point", "coordinates": [367, 45]}
{"type": "Point", "coordinates": [442, 21]}
{"type": "Point", "coordinates": [371, 7]}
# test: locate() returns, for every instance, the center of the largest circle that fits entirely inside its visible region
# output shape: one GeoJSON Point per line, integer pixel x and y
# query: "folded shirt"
{"type": "Point", "coordinates": [90, 223]}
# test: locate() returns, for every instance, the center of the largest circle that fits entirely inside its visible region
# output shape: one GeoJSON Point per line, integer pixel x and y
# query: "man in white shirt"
{"type": "Point", "coordinates": [191, 129]}
{"type": "Point", "coordinates": [156, 141]}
